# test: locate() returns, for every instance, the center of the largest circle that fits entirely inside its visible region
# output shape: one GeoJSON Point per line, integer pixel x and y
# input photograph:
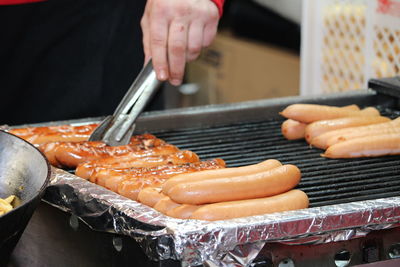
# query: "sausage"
{"type": "Point", "coordinates": [165, 204]}
{"type": "Point", "coordinates": [228, 172]}
{"type": "Point", "coordinates": [150, 196]}
{"type": "Point", "coordinates": [86, 150]}
{"type": "Point", "coordinates": [111, 182]}
{"type": "Point", "coordinates": [49, 150]}
{"type": "Point", "coordinates": [64, 133]}
{"type": "Point", "coordinates": [308, 113]}
{"type": "Point", "coordinates": [361, 133]}
{"type": "Point", "coordinates": [183, 211]}
{"type": "Point", "coordinates": [317, 128]}
{"type": "Point", "coordinates": [293, 130]}
{"type": "Point", "coordinates": [160, 172]}
{"type": "Point", "coordinates": [104, 177]}
{"type": "Point", "coordinates": [255, 185]}
{"type": "Point", "coordinates": [133, 158]}
{"type": "Point", "coordinates": [130, 187]}
{"type": "Point", "coordinates": [324, 140]}
{"type": "Point", "coordinates": [70, 154]}
{"type": "Point", "coordinates": [291, 200]}
{"type": "Point", "coordinates": [178, 158]}
{"type": "Point", "coordinates": [368, 146]}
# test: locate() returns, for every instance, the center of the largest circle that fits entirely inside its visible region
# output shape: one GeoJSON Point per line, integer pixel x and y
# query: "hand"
{"type": "Point", "coordinates": [174, 32]}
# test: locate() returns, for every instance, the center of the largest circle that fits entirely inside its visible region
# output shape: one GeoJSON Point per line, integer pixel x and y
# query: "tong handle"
{"type": "Point", "coordinates": [117, 130]}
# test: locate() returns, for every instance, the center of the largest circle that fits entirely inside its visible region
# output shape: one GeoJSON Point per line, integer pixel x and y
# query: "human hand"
{"type": "Point", "coordinates": [174, 32]}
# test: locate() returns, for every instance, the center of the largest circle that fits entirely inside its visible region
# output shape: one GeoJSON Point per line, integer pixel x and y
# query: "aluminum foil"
{"type": "Point", "coordinates": [233, 242]}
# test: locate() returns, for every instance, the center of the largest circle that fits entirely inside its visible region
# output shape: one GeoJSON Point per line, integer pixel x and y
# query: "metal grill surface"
{"type": "Point", "coordinates": [326, 181]}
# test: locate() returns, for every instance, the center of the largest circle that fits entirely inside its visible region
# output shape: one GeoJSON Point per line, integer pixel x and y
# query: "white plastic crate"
{"type": "Point", "coordinates": [347, 42]}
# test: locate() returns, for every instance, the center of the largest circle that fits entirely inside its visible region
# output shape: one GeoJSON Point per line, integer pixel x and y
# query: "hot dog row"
{"type": "Point", "coordinates": [229, 193]}
{"type": "Point", "coordinates": [174, 182]}
{"type": "Point", "coordinates": [343, 132]}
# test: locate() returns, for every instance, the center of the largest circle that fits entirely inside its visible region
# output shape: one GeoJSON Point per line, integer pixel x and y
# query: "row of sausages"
{"type": "Point", "coordinates": [343, 132]}
{"type": "Point", "coordinates": [229, 193]}
{"type": "Point", "coordinates": [174, 182]}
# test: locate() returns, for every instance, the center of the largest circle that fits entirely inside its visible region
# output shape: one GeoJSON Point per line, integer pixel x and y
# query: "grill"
{"type": "Point", "coordinates": [345, 194]}
{"type": "Point", "coordinates": [326, 181]}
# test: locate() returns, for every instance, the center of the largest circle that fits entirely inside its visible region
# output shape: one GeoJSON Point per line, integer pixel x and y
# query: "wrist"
{"type": "Point", "coordinates": [220, 5]}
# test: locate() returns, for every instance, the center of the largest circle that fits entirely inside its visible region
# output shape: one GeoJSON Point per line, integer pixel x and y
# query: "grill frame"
{"type": "Point", "coordinates": [313, 224]}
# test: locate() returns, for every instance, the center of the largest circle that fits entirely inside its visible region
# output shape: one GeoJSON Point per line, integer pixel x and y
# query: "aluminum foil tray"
{"type": "Point", "coordinates": [219, 243]}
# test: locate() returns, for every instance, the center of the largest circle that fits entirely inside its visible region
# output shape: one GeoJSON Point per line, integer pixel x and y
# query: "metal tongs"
{"type": "Point", "coordinates": [117, 129]}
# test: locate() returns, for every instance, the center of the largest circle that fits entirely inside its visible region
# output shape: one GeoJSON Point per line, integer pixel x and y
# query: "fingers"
{"type": "Point", "coordinates": [144, 23]}
{"type": "Point", "coordinates": [158, 38]}
{"type": "Point", "coordinates": [174, 32]}
{"type": "Point", "coordinates": [210, 30]}
{"type": "Point", "coordinates": [146, 38]}
{"type": "Point", "coordinates": [195, 40]}
{"type": "Point", "coordinates": [158, 47]}
{"type": "Point", "coordinates": [177, 42]}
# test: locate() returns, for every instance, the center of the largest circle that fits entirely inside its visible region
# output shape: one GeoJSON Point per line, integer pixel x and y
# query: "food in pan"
{"type": "Point", "coordinates": [62, 133]}
{"type": "Point", "coordinates": [320, 127]}
{"type": "Point", "coordinates": [6, 204]}
{"type": "Point", "coordinates": [291, 200]}
{"type": "Point", "coordinates": [293, 130]}
{"type": "Point", "coordinates": [308, 113]}
{"type": "Point", "coordinates": [367, 146]}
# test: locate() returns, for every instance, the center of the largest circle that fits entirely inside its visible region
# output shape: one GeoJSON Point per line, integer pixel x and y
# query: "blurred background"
{"type": "Point", "coordinates": [268, 49]}
{"type": "Point", "coordinates": [255, 55]}
{"type": "Point", "coordinates": [71, 59]}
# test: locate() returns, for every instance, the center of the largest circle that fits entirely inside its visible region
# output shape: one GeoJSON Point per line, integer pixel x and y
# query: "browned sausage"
{"type": "Point", "coordinates": [62, 133]}
{"type": "Point", "coordinates": [131, 159]}
{"type": "Point", "coordinates": [178, 158]}
{"type": "Point", "coordinates": [70, 154]}
{"type": "Point", "coordinates": [150, 196]}
{"type": "Point", "coordinates": [131, 187]}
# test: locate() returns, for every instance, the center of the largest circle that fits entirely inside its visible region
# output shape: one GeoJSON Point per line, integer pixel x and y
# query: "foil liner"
{"type": "Point", "coordinates": [233, 242]}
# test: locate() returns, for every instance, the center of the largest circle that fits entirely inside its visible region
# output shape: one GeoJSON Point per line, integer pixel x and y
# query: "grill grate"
{"type": "Point", "coordinates": [326, 181]}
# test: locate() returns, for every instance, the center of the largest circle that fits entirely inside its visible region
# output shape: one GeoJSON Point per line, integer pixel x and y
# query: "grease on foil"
{"type": "Point", "coordinates": [224, 243]}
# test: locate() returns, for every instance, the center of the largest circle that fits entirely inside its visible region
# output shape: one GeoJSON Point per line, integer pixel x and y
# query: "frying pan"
{"type": "Point", "coordinates": [24, 172]}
